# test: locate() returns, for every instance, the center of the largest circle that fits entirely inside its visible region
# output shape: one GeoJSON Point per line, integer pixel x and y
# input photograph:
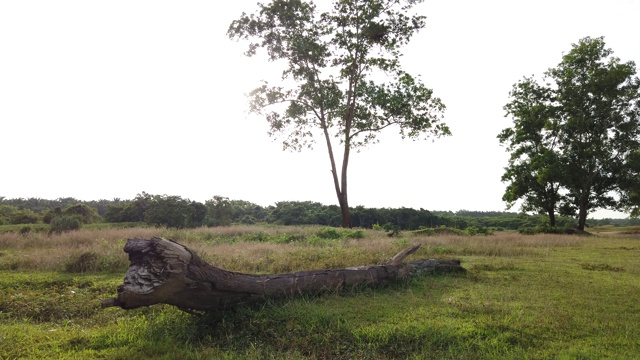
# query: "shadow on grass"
{"type": "Point", "coordinates": [364, 322]}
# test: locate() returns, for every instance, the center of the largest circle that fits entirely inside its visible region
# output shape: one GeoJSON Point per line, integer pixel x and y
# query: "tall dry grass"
{"type": "Point", "coordinates": [253, 249]}
{"type": "Point", "coordinates": [42, 252]}
{"type": "Point", "coordinates": [502, 244]}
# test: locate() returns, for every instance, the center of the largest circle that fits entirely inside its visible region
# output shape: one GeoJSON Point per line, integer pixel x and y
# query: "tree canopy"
{"type": "Point", "coordinates": [343, 79]}
{"type": "Point", "coordinates": [575, 140]}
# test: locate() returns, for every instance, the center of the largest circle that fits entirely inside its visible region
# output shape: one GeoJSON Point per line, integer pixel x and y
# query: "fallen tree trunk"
{"type": "Point", "coordinates": [165, 272]}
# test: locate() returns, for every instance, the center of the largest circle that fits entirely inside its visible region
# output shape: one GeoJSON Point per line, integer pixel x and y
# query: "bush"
{"type": "Point", "coordinates": [425, 231]}
{"type": "Point", "coordinates": [392, 230]}
{"type": "Point", "coordinates": [329, 233]}
{"type": "Point", "coordinates": [354, 234]}
{"type": "Point", "coordinates": [24, 217]}
{"type": "Point", "coordinates": [64, 223]}
{"type": "Point", "coordinates": [472, 230]}
{"type": "Point", "coordinates": [547, 229]}
{"type": "Point", "coordinates": [84, 262]}
{"type": "Point", "coordinates": [259, 236]}
{"type": "Point", "coordinates": [527, 230]}
{"type": "Point", "coordinates": [248, 220]}
{"type": "Point", "coordinates": [50, 214]}
{"type": "Point", "coordinates": [289, 238]}
{"type": "Point", "coordinates": [25, 230]}
{"type": "Point", "coordinates": [85, 213]}
{"type": "Point", "coordinates": [5, 213]}
{"type": "Point", "coordinates": [92, 262]}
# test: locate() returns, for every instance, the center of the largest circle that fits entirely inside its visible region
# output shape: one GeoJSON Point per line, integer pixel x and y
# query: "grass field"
{"type": "Point", "coordinates": [523, 297]}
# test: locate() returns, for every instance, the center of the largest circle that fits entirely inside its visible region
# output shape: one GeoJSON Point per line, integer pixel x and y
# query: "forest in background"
{"type": "Point", "coordinates": [175, 211]}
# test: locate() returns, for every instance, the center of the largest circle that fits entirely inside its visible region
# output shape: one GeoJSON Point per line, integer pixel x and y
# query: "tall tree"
{"type": "Point", "coordinates": [342, 79]}
{"type": "Point", "coordinates": [534, 172]}
{"type": "Point", "coordinates": [219, 211]}
{"type": "Point", "coordinates": [599, 104]}
{"type": "Point", "coordinates": [592, 110]}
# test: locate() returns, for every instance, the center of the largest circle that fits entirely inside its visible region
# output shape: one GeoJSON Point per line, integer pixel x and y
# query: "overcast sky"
{"type": "Point", "coordinates": [106, 99]}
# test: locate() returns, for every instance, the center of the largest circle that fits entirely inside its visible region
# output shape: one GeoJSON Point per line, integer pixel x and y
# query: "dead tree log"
{"type": "Point", "coordinates": [165, 272]}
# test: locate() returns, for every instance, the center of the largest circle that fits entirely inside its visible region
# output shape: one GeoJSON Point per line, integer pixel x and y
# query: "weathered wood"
{"type": "Point", "coordinates": [165, 272]}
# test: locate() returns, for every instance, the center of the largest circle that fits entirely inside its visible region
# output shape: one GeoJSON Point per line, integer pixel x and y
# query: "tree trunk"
{"type": "Point", "coordinates": [344, 210]}
{"type": "Point", "coordinates": [552, 217]}
{"type": "Point", "coordinates": [165, 272]}
{"type": "Point", "coordinates": [582, 217]}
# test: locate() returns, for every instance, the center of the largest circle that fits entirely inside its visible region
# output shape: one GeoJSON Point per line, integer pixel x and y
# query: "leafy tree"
{"type": "Point", "coordinates": [65, 223]}
{"type": "Point", "coordinates": [129, 210]}
{"type": "Point", "coordinates": [117, 213]}
{"type": "Point", "coordinates": [159, 210]}
{"type": "Point", "coordinates": [342, 79]}
{"type": "Point", "coordinates": [575, 141]}
{"type": "Point", "coordinates": [303, 213]}
{"type": "Point", "coordinates": [101, 205]}
{"type": "Point", "coordinates": [50, 214]}
{"type": "Point", "coordinates": [219, 211]}
{"type": "Point", "coordinates": [631, 195]}
{"type": "Point", "coordinates": [196, 213]}
{"type": "Point", "coordinates": [25, 216]}
{"type": "Point", "coordinates": [363, 217]}
{"type": "Point", "coordinates": [86, 213]}
{"type": "Point", "coordinates": [247, 212]}
{"type": "Point", "coordinates": [534, 169]}
{"type": "Point", "coordinates": [169, 211]}
{"type": "Point", "coordinates": [5, 212]}
{"type": "Point", "coordinates": [137, 209]}
{"type": "Point", "coordinates": [599, 103]}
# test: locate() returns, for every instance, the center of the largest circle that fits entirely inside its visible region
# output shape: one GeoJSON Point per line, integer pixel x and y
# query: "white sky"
{"type": "Point", "coordinates": [105, 99]}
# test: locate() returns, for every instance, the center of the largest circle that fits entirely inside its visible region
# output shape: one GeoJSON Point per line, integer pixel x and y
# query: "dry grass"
{"type": "Point", "coordinates": [523, 297]}
{"type": "Point", "coordinates": [42, 252]}
{"type": "Point", "coordinates": [503, 244]}
{"type": "Point", "coordinates": [257, 249]}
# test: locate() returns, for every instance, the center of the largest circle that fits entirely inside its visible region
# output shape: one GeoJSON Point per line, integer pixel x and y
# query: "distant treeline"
{"type": "Point", "coordinates": [174, 211]}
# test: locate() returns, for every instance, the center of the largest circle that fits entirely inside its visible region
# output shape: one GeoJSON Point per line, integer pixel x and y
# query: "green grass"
{"type": "Point", "coordinates": [523, 297]}
{"type": "Point", "coordinates": [41, 227]}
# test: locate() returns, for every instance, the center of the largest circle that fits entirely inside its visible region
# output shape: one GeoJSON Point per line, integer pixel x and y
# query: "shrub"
{"type": "Point", "coordinates": [547, 229]}
{"type": "Point", "coordinates": [425, 231]}
{"type": "Point", "coordinates": [92, 262]}
{"type": "Point", "coordinates": [289, 238]}
{"type": "Point", "coordinates": [259, 236]}
{"type": "Point", "coordinates": [354, 234]}
{"type": "Point", "coordinates": [85, 213]}
{"type": "Point", "coordinates": [25, 230]}
{"type": "Point", "coordinates": [50, 214]}
{"type": "Point", "coordinates": [84, 262]}
{"type": "Point", "coordinates": [329, 233]}
{"type": "Point", "coordinates": [24, 217]}
{"type": "Point", "coordinates": [527, 230]}
{"type": "Point", "coordinates": [5, 213]}
{"type": "Point", "coordinates": [64, 223]}
{"type": "Point", "coordinates": [392, 230]}
{"type": "Point", "coordinates": [248, 219]}
{"type": "Point", "coordinates": [472, 230]}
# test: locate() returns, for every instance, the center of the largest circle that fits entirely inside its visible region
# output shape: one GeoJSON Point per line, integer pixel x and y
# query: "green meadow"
{"type": "Point", "coordinates": [523, 297]}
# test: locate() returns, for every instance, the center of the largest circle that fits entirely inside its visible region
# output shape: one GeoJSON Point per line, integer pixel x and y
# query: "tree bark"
{"type": "Point", "coordinates": [344, 211]}
{"type": "Point", "coordinates": [552, 217]}
{"type": "Point", "coordinates": [165, 272]}
{"type": "Point", "coordinates": [582, 215]}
